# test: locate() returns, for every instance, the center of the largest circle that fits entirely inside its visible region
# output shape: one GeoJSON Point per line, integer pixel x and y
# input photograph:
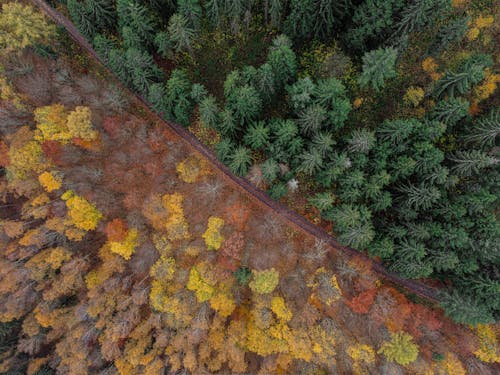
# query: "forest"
{"type": "Point", "coordinates": [126, 251]}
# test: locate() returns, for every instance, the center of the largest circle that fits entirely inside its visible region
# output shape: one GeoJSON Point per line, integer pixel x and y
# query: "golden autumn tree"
{"type": "Point", "coordinates": [22, 26]}
{"type": "Point", "coordinates": [265, 281]}
{"type": "Point", "coordinates": [400, 348]}
{"type": "Point", "coordinates": [83, 215]}
{"type": "Point", "coordinates": [212, 236]}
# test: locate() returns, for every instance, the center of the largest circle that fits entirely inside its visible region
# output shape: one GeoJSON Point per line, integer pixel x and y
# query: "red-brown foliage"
{"type": "Point", "coordinates": [53, 151]}
{"type": "Point", "coordinates": [362, 303]}
{"type": "Point", "coordinates": [116, 230]}
{"type": "Point", "coordinates": [237, 215]}
{"type": "Point", "coordinates": [4, 155]}
{"type": "Point", "coordinates": [112, 126]}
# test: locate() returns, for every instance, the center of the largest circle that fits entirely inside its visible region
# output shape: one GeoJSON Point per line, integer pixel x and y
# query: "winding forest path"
{"type": "Point", "coordinates": [290, 216]}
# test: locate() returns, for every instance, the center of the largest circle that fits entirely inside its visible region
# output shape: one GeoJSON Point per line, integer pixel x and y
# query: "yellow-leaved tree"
{"type": "Point", "coordinates": [82, 214]}
{"type": "Point", "coordinates": [22, 26]}
{"type": "Point", "coordinates": [400, 348]}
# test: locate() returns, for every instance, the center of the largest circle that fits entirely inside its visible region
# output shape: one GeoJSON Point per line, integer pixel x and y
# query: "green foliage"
{"type": "Point", "coordinates": [373, 21]}
{"type": "Point", "coordinates": [323, 201]}
{"type": "Point", "coordinates": [180, 33]}
{"type": "Point", "coordinates": [245, 103]}
{"type": "Point", "coordinates": [257, 135]}
{"type": "Point", "coordinates": [137, 20]}
{"type": "Point", "coordinates": [378, 66]}
{"type": "Point", "coordinates": [461, 81]}
{"type": "Point", "coordinates": [191, 10]}
{"type": "Point", "coordinates": [465, 309]}
{"type": "Point", "coordinates": [240, 161]}
{"type": "Point", "coordinates": [282, 61]}
{"type": "Point", "coordinates": [209, 111]}
{"type": "Point", "coordinates": [471, 161]}
{"type": "Point", "coordinates": [163, 44]}
{"type": "Point", "coordinates": [486, 130]}
{"type": "Point", "coordinates": [420, 13]}
{"type": "Point", "coordinates": [450, 111]}
{"type": "Point", "coordinates": [353, 225]}
{"type": "Point", "coordinates": [178, 100]}
{"type": "Point", "coordinates": [142, 69]}
{"type": "Point", "coordinates": [449, 34]}
{"type": "Point", "coordinates": [400, 349]}
{"type": "Point", "coordinates": [243, 275]}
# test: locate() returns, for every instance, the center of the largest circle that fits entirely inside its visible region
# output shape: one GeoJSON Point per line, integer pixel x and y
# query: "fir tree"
{"type": "Point", "coordinates": [270, 170]}
{"type": "Point", "coordinates": [180, 33]}
{"type": "Point", "coordinates": [378, 66]}
{"type": "Point", "coordinates": [312, 119]}
{"type": "Point", "coordinates": [471, 162]}
{"type": "Point", "coordinates": [257, 135]}
{"type": "Point", "coordinates": [209, 111]}
{"type": "Point", "coordinates": [450, 111]}
{"type": "Point", "coordinates": [463, 308]}
{"type": "Point", "coordinates": [191, 10]}
{"type": "Point", "coordinates": [486, 130]}
{"type": "Point", "coordinates": [420, 197]}
{"type": "Point", "coordinates": [240, 160]}
{"type": "Point", "coordinates": [361, 141]}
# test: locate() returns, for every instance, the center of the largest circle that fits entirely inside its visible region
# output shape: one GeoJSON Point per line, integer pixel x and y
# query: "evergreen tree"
{"type": "Point", "coordinates": [312, 119]}
{"type": "Point", "coordinates": [81, 17]}
{"type": "Point", "coordinates": [180, 33]}
{"type": "Point", "coordinates": [228, 125]}
{"type": "Point", "coordinates": [245, 103]}
{"type": "Point", "coordinates": [301, 93]}
{"type": "Point", "coordinates": [353, 225]}
{"type": "Point", "coordinates": [276, 10]}
{"type": "Point", "coordinates": [471, 161]}
{"type": "Point", "coordinates": [361, 141]}
{"type": "Point", "coordinates": [463, 308]}
{"type": "Point", "coordinates": [209, 111]}
{"type": "Point", "coordinates": [448, 34]}
{"type": "Point", "coordinates": [323, 201]}
{"type": "Point", "coordinates": [198, 92]}
{"type": "Point", "coordinates": [265, 81]}
{"type": "Point", "coordinates": [103, 46]}
{"type": "Point", "coordinates": [282, 60]}
{"type": "Point", "coordinates": [323, 142]}
{"type": "Point", "coordinates": [138, 19]}
{"type": "Point", "coordinates": [156, 96]}
{"type": "Point", "coordinates": [191, 10]}
{"type": "Point", "coordinates": [378, 66]}
{"type": "Point", "coordinates": [420, 197]}
{"type": "Point", "coordinates": [328, 14]}
{"type": "Point", "coordinates": [450, 111]}
{"type": "Point", "coordinates": [142, 69]}
{"type": "Point", "coordinates": [214, 9]}
{"type": "Point", "coordinates": [257, 135]}
{"type": "Point", "coordinates": [373, 21]}
{"type": "Point", "coordinates": [420, 13]}
{"type": "Point", "coordinates": [270, 170]}
{"type": "Point", "coordinates": [164, 45]}
{"type": "Point", "coordinates": [240, 161]}
{"type": "Point", "coordinates": [486, 130]}
{"type": "Point", "coordinates": [300, 22]}
{"type": "Point", "coordinates": [410, 261]}
{"type": "Point", "coordinates": [311, 161]}
{"type": "Point", "coordinates": [179, 102]}
{"type": "Point", "coordinates": [461, 81]}
{"type": "Point", "coordinates": [224, 150]}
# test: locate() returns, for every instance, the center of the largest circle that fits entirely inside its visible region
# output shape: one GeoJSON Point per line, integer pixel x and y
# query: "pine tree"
{"type": "Point", "coordinates": [374, 21]}
{"type": "Point", "coordinates": [240, 161]}
{"type": "Point", "coordinates": [410, 261]}
{"type": "Point", "coordinates": [137, 18]}
{"type": "Point", "coordinates": [461, 81]}
{"type": "Point", "coordinates": [180, 33]}
{"type": "Point", "coordinates": [224, 150]}
{"type": "Point", "coordinates": [420, 197]}
{"type": "Point", "coordinates": [245, 103]}
{"type": "Point", "coordinates": [164, 45]}
{"type": "Point", "coordinates": [312, 119]}
{"type": "Point", "coordinates": [420, 13]}
{"type": "Point", "coordinates": [311, 161]}
{"type": "Point", "coordinates": [323, 142]}
{"type": "Point", "coordinates": [465, 309]}
{"type": "Point", "coordinates": [470, 162]}
{"type": "Point", "coordinates": [450, 111]}
{"type": "Point", "coordinates": [283, 61]}
{"type": "Point", "coordinates": [301, 93]}
{"type": "Point", "coordinates": [323, 201]}
{"type": "Point", "coordinates": [378, 66]}
{"type": "Point", "coordinates": [265, 81]}
{"type": "Point", "coordinates": [228, 125]}
{"type": "Point", "coordinates": [361, 141]}
{"type": "Point", "coordinates": [209, 111]}
{"type": "Point", "coordinates": [214, 9]}
{"type": "Point", "coordinates": [257, 135]}
{"type": "Point", "coordinates": [486, 130]}
{"type": "Point", "coordinates": [270, 170]}
{"type": "Point", "coordinates": [142, 69]}
{"type": "Point", "coordinates": [300, 22]}
{"type": "Point", "coordinates": [191, 10]}
{"type": "Point", "coordinates": [448, 34]}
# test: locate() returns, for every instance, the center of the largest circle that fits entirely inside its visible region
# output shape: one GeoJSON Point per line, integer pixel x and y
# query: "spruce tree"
{"type": "Point", "coordinates": [378, 66]}
{"type": "Point", "coordinates": [180, 33]}
{"type": "Point", "coordinates": [209, 111]}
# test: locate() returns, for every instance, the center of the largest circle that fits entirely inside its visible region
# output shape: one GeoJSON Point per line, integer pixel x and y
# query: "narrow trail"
{"type": "Point", "coordinates": [287, 214]}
